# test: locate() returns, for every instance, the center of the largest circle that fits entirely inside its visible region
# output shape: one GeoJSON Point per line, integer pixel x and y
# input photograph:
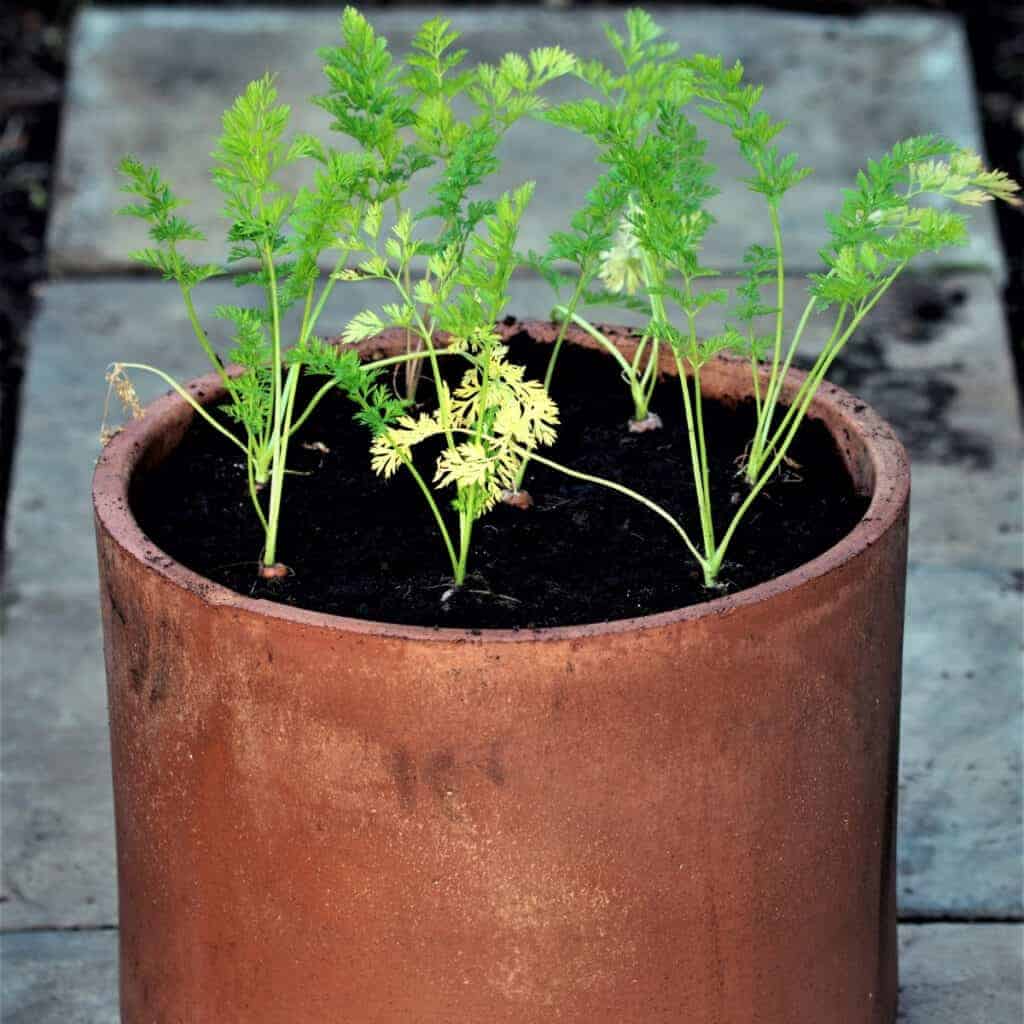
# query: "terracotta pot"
{"type": "Point", "coordinates": [688, 817]}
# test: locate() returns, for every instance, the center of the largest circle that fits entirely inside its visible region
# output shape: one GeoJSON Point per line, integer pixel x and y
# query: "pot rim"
{"type": "Point", "coordinates": [121, 456]}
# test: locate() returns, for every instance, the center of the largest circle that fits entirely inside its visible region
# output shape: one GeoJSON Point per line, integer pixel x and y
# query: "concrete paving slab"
{"type": "Point", "coordinates": [59, 978]}
{"type": "Point", "coordinates": [950, 974]}
{"type": "Point", "coordinates": [961, 974]}
{"type": "Point", "coordinates": [961, 834]}
{"type": "Point", "coordinates": [58, 849]}
{"type": "Point", "coordinates": [935, 360]}
{"type": "Point", "coordinates": [960, 845]}
{"type": "Point", "coordinates": [154, 81]}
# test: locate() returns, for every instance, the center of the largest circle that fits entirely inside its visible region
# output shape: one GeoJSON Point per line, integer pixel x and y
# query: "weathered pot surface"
{"type": "Point", "coordinates": [685, 817]}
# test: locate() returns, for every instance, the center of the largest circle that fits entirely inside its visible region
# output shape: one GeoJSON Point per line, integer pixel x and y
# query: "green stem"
{"type": "Point", "coordinates": [254, 493]}
{"type": "Point", "coordinates": [188, 398]}
{"type": "Point", "coordinates": [765, 413]}
{"type": "Point", "coordinates": [427, 334]}
{"type": "Point", "coordinates": [594, 333]}
{"type": "Point", "coordinates": [548, 377]}
{"type": "Point", "coordinates": [310, 319]}
{"type": "Point", "coordinates": [641, 348]}
{"type": "Point", "coordinates": [844, 337]}
{"type": "Point", "coordinates": [275, 313]}
{"type": "Point", "coordinates": [771, 397]}
{"type": "Point", "coordinates": [570, 309]}
{"type": "Point", "coordinates": [306, 327]}
{"type": "Point", "coordinates": [756, 381]}
{"type": "Point", "coordinates": [412, 372]}
{"type": "Point", "coordinates": [650, 377]}
{"type": "Point", "coordinates": [279, 466]}
{"type": "Point", "coordinates": [445, 535]}
{"type": "Point", "coordinates": [780, 288]}
{"type": "Point", "coordinates": [600, 482]}
{"type": "Point", "coordinates": [422, 484]}
{"type": "Point", "coordinates": [695, 463]}
{"type": "Point", "coordinates": [204, 341]}
{"type": "Point", "coordinates": [703, 452]}
{"type": "Point", "coordinates": [809, 381]}
{"type": "Point", "coordinates": [801, 404]}
{"type": "Point", "coordinates": [620, 489]}
{"type": "Point", "coordinates": [695, 424]}
{"type": "Point", "coordinates": [780, 454]}
{"type": "Point", "coordinates": [465, 534]}
{"type": "Point", "coordinates": [653, 280]}
{"type": "Point", "coordinates": [377, 364]}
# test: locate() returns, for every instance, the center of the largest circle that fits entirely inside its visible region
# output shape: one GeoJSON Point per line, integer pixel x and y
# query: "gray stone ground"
{"type": "Point", "coordinates": [934, 359]}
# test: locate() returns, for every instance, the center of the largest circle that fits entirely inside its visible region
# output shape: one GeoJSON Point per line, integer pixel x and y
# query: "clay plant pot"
{"type": "Point", "coordinates": [688, 817]}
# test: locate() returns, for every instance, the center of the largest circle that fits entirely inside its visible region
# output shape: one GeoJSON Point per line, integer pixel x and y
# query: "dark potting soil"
{"type": "Point", "coordinates": [363, 547]}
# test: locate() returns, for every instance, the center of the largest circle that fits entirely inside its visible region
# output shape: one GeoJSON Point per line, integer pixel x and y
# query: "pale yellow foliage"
{"type": "Point", "coordinates": [964, 180]}
{"type": "Point", "coordinates": [492, 424]}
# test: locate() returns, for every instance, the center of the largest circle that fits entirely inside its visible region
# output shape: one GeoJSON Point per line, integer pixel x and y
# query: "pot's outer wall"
{"type": "Point", "coordinates": [689, 818]}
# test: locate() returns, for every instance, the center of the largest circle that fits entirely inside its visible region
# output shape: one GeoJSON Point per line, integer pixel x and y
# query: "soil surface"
{"type": "Point", "coordinates": [363, 547]}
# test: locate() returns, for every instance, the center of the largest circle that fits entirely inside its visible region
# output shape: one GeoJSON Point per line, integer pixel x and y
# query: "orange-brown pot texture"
{"type": "Point", "coordinates": [684, 818]}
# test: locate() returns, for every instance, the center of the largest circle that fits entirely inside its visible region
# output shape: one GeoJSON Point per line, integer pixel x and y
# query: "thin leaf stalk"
{"type": "Point", "coordinates": [642, 384]}
{"type": "Point", "coordinates": [694, 418]}
{"type": "Point", "coordinates": [610, 484]}
{"type": "Point", "coordinates": [600, 338]}
{"type": "Point", "coordinates": [847, 332]}
{"type": "Point", "coordinates": [794, 419]}
{"type": "Point", "coordinates": [275, 314]}
{"type": "Point", "coordinates": [703, 509]}
{"type": "Point", "coordinates": [465, 535]}
{"type": "Point", "coordinates": [279, 465]}
{"type": "Point", "coordinates": [204, 341]}
{"type": "Point", "coordinates": [549, 375]}
{"type": "Point", "coordinates": [760, 449]}
{"type": "Point", "coordinates": [254, 493]}
{"type": "Point", "coordinates": [442, 526]}
{"type": "Point", "coordinates": [769, 445]}
{"type": "Point", "coordinates": [780, 287]}
{"type": "Point", "coordinates": [424, 487]}
{"type": "Point", "coordinates": [426, 332]}
{"type": "Point", "coordinates": [377, 364]}
{"type": "Point", "coordinates": [703, 452]}
{"type": "Point", "coordinates": [197, 406]}
{"type": "Point", "coordinates": [563, 328]}
{"type": "Point", "coordinates": [766, 413]}
{"type": "Point", "coordinates": [413, 369]}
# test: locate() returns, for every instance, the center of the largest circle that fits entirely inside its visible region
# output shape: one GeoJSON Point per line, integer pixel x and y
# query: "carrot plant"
{"type": "Point", "coordinates": [404, 122]}
{"type": "Point", "coordinates": [283, 235]}
{"type": "Point", "coordinates": [656, 188]}
{"type": "Point", "coordinates": [608, 265]}
{"type": "Point", "coordinates": [494, 415]}
{"type": "Point", "coordinates": [404, 118]}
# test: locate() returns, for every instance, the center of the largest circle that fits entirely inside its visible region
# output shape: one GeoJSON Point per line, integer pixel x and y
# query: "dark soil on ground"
{"type": "Point", "coordinates": [32, 47]}
{"type": "Point", "coordinates": [363, 547]}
